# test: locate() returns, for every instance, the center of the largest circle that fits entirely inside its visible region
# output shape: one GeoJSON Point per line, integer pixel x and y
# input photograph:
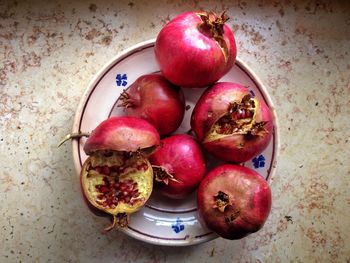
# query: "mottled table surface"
{"type": "Point", "coordinates": [50, 50]}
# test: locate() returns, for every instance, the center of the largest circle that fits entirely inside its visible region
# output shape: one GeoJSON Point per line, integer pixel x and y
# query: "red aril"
{"type": "Point", "coordinates": [195, 49]}
{"type": "Point", "coordinates": [117, 177]}
{"type": "Point", "coordinates": [232, 124]}
{"type": "Point", "coordinates": [178, 166]}
{"type": "Point", "coordinates": [153, 98]}
{"type": "Point", "coordinates": [234, 201]}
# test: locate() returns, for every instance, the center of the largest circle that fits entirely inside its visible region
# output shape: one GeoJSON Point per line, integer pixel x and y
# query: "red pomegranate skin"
{"type": "Point", "coordinates": [182, 157]}
{"type": "Point", "coordinates": [122, 134]}
{"type": "Point", "coordinates": [190, 58]}
{"type": "Point", "coordinates": [250, 201]}
{"type": "Point", "coordinates": [158, 101]}
{"type": "Point", "coordinates": [212, 105]}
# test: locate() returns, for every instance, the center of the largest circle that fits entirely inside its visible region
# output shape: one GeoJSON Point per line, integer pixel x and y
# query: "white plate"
{"type": "Point", "coordinates": [161, 221]}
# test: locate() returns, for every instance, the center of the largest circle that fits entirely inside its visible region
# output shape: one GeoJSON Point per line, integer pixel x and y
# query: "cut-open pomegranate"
{"type": "Point", "coordinates": [118, 183]}
{"type": "Point", "coordinates": [231, 123]}
{"type": "Point", "coordinates": [117, 177]}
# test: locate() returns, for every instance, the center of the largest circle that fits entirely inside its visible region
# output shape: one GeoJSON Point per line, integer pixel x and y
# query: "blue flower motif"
{"type": "Point", "coordinates": [252, 93]}
{"type": "Point", "coordinates": [122, 80]}
{"type": "Point", "coordinates": [259, 161]}
{"type": "Point", "coordinates": [178, 227]}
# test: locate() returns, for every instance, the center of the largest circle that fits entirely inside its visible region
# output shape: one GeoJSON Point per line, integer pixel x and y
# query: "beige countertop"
{"type": "Point", "coordinates": [49, 51]}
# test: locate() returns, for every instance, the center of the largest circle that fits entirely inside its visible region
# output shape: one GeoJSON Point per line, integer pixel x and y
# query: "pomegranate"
{"type": "Point", "coordinates": [178, 166]}
{"type": "Point", "coordinates": [234, 201]}
{"type": "Point", "coordinates": [232, 124]}
{"type": "Point", "coordinates": [117, 177]}
{"type": "Point", "coordinates": [153, 98]}
{"type": "Point", "coordinates": [195, 49]}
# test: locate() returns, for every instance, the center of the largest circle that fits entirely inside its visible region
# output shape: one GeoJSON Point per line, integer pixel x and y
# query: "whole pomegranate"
{"type": "Point", "coordinates": [232, 124]}
{"type": "Point", "coordinates": [117, 177]}
{"type": "Point", "coordinates": [153, 98]}
{"type": "Point", "coordinates": [178, 166]}
{"type": "Point", "coordinates": [234, 201]}
{"type": "Point", "coordinates": [195, 49]}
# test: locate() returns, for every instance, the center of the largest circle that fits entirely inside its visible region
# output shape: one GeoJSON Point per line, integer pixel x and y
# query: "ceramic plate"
{"type": "Point", "coordinates": [161, 221]}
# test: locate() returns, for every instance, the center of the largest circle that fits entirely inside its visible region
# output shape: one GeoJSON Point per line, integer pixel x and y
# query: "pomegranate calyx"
{"type": "Point", "coordinates": [213, 26]}
{"type": "Point", "coordinates": [258, 129]}
{"type": "Point", "coordinates": [162, 175]}
{"type": "Point", "coordinates": [126, 100]}
{"type": "Point", "coordinates": [222, 201]}
{"type": "Point", "coordinates": [119, 221]}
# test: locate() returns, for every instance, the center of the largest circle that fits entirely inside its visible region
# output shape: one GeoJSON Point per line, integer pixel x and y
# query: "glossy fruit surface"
{"type": "Point", "coordinates": [232, 124]}
{"type": "Point", "coordinates": [234, 201]}
{"type": "Point", "coordinates": [127, 134]}
{"type": "Point", "coordinates": [153, 98]}
{"type": "Point", "coordinates": [195, 49]}
{"type": "Point", "coordinates": [178, 166]}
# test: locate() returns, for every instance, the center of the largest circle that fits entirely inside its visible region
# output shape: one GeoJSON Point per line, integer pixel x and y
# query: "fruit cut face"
{"type": "Point", "coordinates": [240, 118]}
{"type": "Point", "coordinates": [117, 182]}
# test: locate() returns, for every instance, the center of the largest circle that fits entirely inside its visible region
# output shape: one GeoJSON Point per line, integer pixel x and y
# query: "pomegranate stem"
{"type": "Point", "coordinates": [113, 225]}
{"type": "Point", "coordinates": [119, 220]}
{"type": "Point", "coordinates": [73, 136]}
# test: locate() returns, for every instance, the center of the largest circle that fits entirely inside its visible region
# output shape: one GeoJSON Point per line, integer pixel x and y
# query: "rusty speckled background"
{"type": "Point", "coordinates": [50, 50]}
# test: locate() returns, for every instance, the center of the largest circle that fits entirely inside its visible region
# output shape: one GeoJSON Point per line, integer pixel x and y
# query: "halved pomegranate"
{"type": "Point", "coordinates": [234, 201]}
{"type": "Point", "coordinates": [232, 124]}
{"type": "Point", "coordinates": [117, 178]}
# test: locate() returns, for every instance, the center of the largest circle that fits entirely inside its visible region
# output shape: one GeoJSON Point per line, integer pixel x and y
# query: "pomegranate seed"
{"type": "Point", "coordinates": [98, 169]}
{"type": "Point", "coordinates": [101, 196]}
{"type": "Point", "coordinates": [109, 202]}
{"type": "Point", "coordinates": [127, 199]}
{"type": "Point", "coordinates": [104, 189]}
{"type": "Point", "coordinates": [115, 168]}
{"type": "Point", "coordinates": [145, 167]}
{"type": "Point", "coordinates": [116, 185]}
{"type": "Point", "coordinates": [106, 170]}
{"type": "Point", "coordinates": [129, 187]}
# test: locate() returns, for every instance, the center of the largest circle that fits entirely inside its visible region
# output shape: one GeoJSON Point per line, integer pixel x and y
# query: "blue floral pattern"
{"type": "Point", "coordinates": [178, 226]}
{"type": "Point", "coordinates": [259, 161]}
{"type": "Point", "coordinates": [122, 80]}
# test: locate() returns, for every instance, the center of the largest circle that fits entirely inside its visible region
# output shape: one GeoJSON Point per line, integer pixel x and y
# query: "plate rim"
{"type": "Point", "coordinates": [105, 68]}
